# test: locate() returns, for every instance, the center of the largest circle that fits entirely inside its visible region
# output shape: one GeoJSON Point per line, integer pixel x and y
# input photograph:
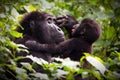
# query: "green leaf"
{"type": "Point", "coordinates": [70, 65]}
{"type": "Point", "coordinates": [85, 75]}
{"type": "Point", "coordinates": [27, 66]}
{"type": "Point", "coordinates": [97, 75]}
{"type": "Point", "coordinates": [20, 70]}
{"type": "Point", "coordinates": [82, 70]}
{"type": "Point", "coordinates": [22, 46]}
{"type": "Point", "coordinates": [19, 58]}
{"type": "Point", "coordinates": [109, 32]}
{"type": "Point", "coordinates": [39, 61]}
{"type": "Point", "coordinates": [70, 76]}
{"type": "Point", "coordinates": [21, 74]}
{"type": "Point", "coordinates": [32, 8]}
{"type": "Point", "coordinates": [21, 49]}
{"type": "Point", "coordinates": [12, 44]}
{"type": "Point", "coordinates": [2, 15]}
{"type": "Point", "coordinates": [27, 8]}
{"type": "Point", "coordinates": [41, 76]}
{"type": "Point", "coordinates": [92, 2]}
{"type": "Point", "coordinates": [61, 73]}
{"type": "Point", "coordinates": [14, 13]}
{"type": "Point", "coordinates": [16, 34]}
{"type": "Point", "coordinates": [96, 63]}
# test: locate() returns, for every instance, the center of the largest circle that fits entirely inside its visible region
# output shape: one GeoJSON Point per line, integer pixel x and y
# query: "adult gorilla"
{"type": "Point", "coordinates": [84, 35]}
{"type": "Point", "coordinates": [39, 26]}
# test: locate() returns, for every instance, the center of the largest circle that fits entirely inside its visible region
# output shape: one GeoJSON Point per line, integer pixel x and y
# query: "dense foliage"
{"type": "Point", "coordinates": [105, 59]}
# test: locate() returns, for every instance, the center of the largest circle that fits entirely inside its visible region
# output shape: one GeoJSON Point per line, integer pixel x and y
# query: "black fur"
{"type": "Point", "coordinates": [85, 34]}
{"type": "Point", "coordinates": [67, 22]}
{"type": "Point", "coordinates": [39, 26]}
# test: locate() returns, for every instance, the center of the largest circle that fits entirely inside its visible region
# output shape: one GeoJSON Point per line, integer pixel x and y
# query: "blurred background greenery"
{"type": "Point", "coordinates": [105, 12]}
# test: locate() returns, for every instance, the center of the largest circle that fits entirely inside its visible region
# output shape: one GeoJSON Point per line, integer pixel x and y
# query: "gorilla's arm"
{"type": "Point", "coordinates": [56, 49]}
{"type": "Point", "coordinates": [22, 40]}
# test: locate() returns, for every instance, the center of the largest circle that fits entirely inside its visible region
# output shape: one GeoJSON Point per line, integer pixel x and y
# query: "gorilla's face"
{"type": "Point", "coordinates": [46, 29]}
{"type": "Point", "coordinates": [56, 33]}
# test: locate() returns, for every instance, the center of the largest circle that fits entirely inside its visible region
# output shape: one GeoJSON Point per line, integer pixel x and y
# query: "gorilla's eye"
{"type": "Point", "coordinates": [49, 20]}
{"type": "Point", "coordinates": [54, 20]}
{"type": "Point", "coordinates": [67, 22]}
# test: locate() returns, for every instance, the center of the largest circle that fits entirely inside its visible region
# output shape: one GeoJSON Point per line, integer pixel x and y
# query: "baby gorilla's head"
{"type": "Point", "coordinates": [88, 30]}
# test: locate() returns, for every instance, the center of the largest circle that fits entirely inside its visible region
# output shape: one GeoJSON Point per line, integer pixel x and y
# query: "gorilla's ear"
{"type": "Point", "coordinates": [32, 24]}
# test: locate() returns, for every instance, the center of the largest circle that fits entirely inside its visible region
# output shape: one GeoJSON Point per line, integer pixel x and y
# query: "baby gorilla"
{"type": "Point", "coordinates": [84, 35]}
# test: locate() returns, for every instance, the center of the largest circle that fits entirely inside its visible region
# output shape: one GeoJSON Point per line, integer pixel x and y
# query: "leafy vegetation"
{"type": "Point", "coordinates": [105, 60]}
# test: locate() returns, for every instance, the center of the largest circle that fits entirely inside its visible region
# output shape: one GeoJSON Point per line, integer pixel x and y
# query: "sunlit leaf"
{"type": "Point", "coordinates": [12, 44]}
{"type": "Point", "coordinates": [41, 76]}
{"type": "Point", "coordinates": [83, 70]}
{"type": "Point", "coordinates": [22, 46]}
{"type": "Point", "coordinates": [97, 75]}
{"type": "Point", "coordinates": [2, 15]}
{"type": "Point", "coordinates": [69, 63]}
{"type": "Point", "coordinates": [21, 73]}
{"type": "Point", "coordinates": [85, 75]}
{"type": "Point", "coordinates": [37, 60]}
{"type": "Point", "coordinates": [19, 58]}
{"type": "Point", "coordinates": [21, 49]}
{"type": "Point", "coordinates": [70, 76]}
{"type": "Point", "coordinates": [18, 70]}
{"type": "Point", "coordinates": [14, 13]}
{"type": "Point", "coordinates": [20, 17]}
{"type": "Point", "coordinates": [96, 63]}
{"type": "Point", "coordinates": [16, 34]}
{"type": "Point", "coordinates": [61, 73]}
{"type": "Point", "coordinates": [32, 8]}
{"type": "Point", "coordinates": [58, 59]}
{"type": "Point", "coordinates": [27, 66]}
{"type": "Point", "coordinates": [27, 8]}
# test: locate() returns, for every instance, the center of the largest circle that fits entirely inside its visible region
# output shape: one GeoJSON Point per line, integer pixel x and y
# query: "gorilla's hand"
{"type": "Point", "coordinates": [31, 44]}
{"type": "Point", "coordinates": [66, 21]}
{"type": "Point", "coordinates": [61, 21]}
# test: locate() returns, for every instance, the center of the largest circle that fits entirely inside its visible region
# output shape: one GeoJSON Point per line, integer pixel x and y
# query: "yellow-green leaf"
{"type": "Point", "coordinates": [32, 8]}
{"type": "Point", "coordinates": [16, 34]}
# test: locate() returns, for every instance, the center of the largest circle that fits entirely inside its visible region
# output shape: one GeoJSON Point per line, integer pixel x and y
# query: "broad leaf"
{"type": "Point", "coordinates": [37, 60]}
{"type": "Point", "coordinates": [96, 63]}
{"type": "Point", "coordinates": [41, 76]}
{"type": "Point", "coordinates": [16, 34]}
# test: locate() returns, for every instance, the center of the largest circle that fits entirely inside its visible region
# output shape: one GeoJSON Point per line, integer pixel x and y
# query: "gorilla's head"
{"type": "Point", "coordinates": [41, 25]}
{"type": "Point", "coordinates": [88, 30]}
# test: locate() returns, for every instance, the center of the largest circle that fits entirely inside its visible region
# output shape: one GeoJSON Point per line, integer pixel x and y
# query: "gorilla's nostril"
{"type": "Point", "coordinates": [59, 29]}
